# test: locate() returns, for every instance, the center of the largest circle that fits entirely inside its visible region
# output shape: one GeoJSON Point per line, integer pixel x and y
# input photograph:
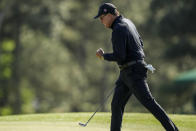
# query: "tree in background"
{"type": "Point", "coordinates": [17, 15]}
{"type": "Point", "coordinates": [173, 22]}
{"type": "Point", "coordinates": [47, 53]}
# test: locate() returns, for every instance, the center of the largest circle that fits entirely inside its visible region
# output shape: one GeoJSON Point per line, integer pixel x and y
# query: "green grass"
{"type": "Point", "coordinates": [100, 122]}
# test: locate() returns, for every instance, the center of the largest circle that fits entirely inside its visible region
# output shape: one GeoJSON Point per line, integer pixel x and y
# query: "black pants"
{"type": "Point", "coordinates": [132, 80]}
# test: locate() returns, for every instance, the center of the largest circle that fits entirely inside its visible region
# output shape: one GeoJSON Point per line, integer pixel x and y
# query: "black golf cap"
{"type": "Point", "coordinates": [105, 9]}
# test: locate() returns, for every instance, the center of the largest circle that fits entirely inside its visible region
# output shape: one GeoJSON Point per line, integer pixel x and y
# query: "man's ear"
{"type": "Point", "coordinates": [112, 16]}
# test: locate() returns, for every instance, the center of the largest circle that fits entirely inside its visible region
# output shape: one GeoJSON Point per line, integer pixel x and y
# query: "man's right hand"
{"type": "Point", "coordinates": [100, 53]}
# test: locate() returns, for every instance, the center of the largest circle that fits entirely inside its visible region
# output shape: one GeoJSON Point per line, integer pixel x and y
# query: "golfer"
{"type": "Point", "coordinates": [128, 53]}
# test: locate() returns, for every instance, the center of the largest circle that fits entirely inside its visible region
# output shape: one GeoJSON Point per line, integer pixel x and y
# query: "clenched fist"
{"type": "Point", "coordinates": [100, 53]}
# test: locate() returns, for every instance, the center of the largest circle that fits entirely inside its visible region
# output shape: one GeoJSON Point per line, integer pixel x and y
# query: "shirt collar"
{"type": "Point", "coordinates": [118, 18]}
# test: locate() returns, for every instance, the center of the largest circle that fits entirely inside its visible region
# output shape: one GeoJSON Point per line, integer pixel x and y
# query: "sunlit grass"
{"type": "Point", "coordinates": [101, 122]}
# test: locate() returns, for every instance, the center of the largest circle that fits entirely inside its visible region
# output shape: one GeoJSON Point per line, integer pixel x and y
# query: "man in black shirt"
{"type": "Point", "coordinates": [129, 55]}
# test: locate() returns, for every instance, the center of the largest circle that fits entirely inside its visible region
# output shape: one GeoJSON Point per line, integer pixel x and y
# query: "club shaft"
{"type": "Point", "coordinates": [100, 106]}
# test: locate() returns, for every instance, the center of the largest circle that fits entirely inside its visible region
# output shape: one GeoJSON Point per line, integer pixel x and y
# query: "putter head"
{"type": "Point", "coordinates": [81, 124]}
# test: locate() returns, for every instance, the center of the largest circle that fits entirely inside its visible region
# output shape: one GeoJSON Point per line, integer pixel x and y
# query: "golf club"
{"type": "Point", "coordinates": [101, 105]}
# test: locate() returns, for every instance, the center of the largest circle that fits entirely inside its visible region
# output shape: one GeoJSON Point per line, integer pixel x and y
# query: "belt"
{"type": "Point", "coordinates": [130, 64]}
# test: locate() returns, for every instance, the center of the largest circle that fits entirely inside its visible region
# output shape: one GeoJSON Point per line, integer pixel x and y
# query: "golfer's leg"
{"type": "Point", "coordinates": [126, 100]}
{"type": "Point", "coordinates": [120, 98]}
{"type": "Point", "coordinates": [143, 94]}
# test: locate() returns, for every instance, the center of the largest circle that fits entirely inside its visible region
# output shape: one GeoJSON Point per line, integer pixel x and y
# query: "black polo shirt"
{"type": "Point", "coordinates": [126, 42]}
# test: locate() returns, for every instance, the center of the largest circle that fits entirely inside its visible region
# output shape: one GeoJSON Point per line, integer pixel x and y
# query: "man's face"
{"type": "Point", "coordinates": [106, 20]}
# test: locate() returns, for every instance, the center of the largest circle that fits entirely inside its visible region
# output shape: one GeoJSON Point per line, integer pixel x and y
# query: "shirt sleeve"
{"type": "Point", "coordinates": [119, 39]}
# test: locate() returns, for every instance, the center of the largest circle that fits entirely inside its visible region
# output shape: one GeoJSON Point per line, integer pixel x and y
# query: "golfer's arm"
{"type": "Point", "coordinates": [109, 57]}
{"type": "Point", "coordinates": [119, 47]}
